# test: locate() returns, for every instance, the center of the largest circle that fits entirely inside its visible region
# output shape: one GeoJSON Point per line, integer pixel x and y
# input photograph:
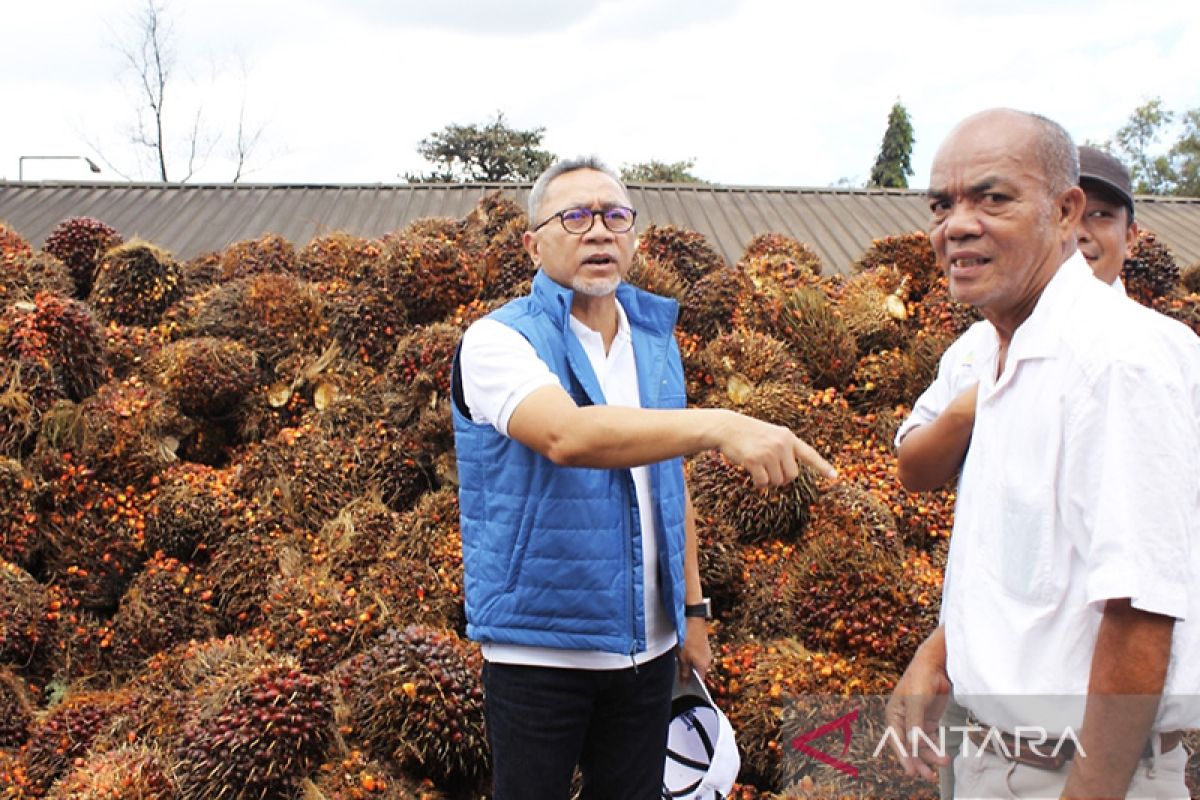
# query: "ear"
{"type": "Point", "coordinates": [529, 239]}
{"type": "Point", "coordinates": [1131, 236]}
{"type": "Point", "coordinates": [1070, 208]}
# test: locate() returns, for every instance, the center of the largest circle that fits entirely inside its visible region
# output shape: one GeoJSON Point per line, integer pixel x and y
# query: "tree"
{"type": "Point", "coordinates": [489, 154]}
{"type": "Point", "coordinates": [893, 165]}
{"type": "Point", "coordinates": [660, 172]}
{"type": "Point", "coordinates": [164, 132]}
{"type": "Point", "coordinates": [1185, 156]}
{"type": "Point", "coordinates": [152, 60]}
{"type": "Point", "coordinates": [1151, 174]}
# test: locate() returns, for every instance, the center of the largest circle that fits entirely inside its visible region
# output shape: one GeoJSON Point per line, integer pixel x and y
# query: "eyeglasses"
{"type": "Point", "coordinates": [618, 219]}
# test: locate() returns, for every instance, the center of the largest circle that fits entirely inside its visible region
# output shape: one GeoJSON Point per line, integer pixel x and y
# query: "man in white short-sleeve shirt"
{"type": "Point", "coordinates": [579, 543]}
{"type": "Point", "coordinates": [1070, 605]}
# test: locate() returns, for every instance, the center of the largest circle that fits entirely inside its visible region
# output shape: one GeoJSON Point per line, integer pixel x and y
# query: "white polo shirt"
{"type": "Point", "coordinates": [500, 369]}
{"type": "Point", "coordinates": [1081, 484]}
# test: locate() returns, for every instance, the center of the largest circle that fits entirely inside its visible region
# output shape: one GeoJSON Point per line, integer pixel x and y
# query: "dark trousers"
{"type": "Point", "coordinates": [542, 721]}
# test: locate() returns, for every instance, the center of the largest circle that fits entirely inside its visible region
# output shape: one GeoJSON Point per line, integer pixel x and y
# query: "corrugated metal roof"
{"type": "Point", "coordinates": [194, 218]}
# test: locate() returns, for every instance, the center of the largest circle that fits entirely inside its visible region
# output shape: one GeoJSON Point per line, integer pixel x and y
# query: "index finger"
{"type": "Point", "coordinates": [805, 454]}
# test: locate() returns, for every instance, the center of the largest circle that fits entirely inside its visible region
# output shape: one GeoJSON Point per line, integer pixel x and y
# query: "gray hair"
{"type": "Point", "coordinates": [1057, 153]}
{"type": "Point", "coordinates": [561, 167]}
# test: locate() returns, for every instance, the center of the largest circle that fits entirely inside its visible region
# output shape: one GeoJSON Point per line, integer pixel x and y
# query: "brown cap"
{"type": "Point", "coordinates": [1100, 169]}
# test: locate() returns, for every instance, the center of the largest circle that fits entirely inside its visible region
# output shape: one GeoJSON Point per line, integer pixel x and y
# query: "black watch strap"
{"type": "Point", "coordinates": [702, 609]}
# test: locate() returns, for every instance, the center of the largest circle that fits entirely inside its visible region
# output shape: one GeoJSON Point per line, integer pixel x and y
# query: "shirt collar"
{"type": "Point", "coordinates": [1036, 337]}
{"type": "Point", "coordinates": [583, 331]}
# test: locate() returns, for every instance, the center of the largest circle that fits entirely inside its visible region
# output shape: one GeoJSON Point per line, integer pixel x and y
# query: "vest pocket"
{"type": "Point", "coordinates": [516, 557]}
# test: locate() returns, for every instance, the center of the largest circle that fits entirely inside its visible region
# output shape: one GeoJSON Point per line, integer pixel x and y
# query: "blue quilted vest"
{"type": "Point", "coordinates": [553, 555]}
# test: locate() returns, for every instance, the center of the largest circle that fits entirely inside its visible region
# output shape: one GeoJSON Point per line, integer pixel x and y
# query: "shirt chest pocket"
{"type": "Point", "coordinates": [1024, 549]}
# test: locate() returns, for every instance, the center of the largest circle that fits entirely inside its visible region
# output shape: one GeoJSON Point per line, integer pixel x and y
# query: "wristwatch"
{"type": "Point", "coordinates": [703, 609]}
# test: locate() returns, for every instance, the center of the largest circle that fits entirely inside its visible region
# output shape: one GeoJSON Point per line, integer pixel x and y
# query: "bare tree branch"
{"type": "Point", "coordinates": [152, 60]}
{"type": "Point", "coordinates": [247, 137]}
{"type": "Point", "coordinates": [150, 55]}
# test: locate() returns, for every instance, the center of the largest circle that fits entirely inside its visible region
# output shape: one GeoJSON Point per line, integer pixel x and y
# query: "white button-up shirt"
{"type": "Point", "coordinates": [1081, 484]}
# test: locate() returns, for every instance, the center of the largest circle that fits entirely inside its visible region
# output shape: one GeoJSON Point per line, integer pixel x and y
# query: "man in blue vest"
{"type": "Point", "coordinates": [582, 581]}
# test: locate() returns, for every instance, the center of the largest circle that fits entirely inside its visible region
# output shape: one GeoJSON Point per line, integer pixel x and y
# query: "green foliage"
{"type": "Point", "coordinates": [654, 171]}
{"type": "Point", "coordinates": [1134, 140]}
{"type": "Point", "coordinates": [1185, 156]}
{"type": "Point", "coordinates": [893, 165]}
{"type": "Point", "coordinates": [489, 153]}
{"type": "Point", "coordinates": [1138, 143]}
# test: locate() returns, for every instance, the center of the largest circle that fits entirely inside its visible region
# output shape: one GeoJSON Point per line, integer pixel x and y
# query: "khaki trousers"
{"type": "Point", "coordinates": [984, 775]}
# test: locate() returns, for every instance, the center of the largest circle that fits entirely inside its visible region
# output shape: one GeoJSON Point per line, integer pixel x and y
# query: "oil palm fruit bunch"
{"type": "Point", "coordinates": [25, 615]}
{"type": "Point", "coordinates": [254, 733]}
{"type": "Point", "coordinates": [709, 306]}
{"type": "Point", "coordinates": [16, 709]}
{"type": "Point", "coordinates": [127, 432]}
{"type": "Point", "coordinates": [726, 492]}
{"type": "Point", "coordinates": [355, 776]}
{"type": "Point", "coordinates": [206, 376]}
{"type": "Point", "coordinates": [169, 602]}
{"type": "Point", "coordinates": [68, 730]}
{"type": "Point", "coordinates": [432, 275]}
{"type": "Point", "coordinates": [24, 273]}
{"type": "Point", "coordinates": [60, 335]}
{"type": "Point", "coordinates": [94, 533]}
{"type": "Point", "coordinates": [493, 214]}
{"type": "Point", "coordinates": [448, 229]}
{"type": "Point", "coordinates": [785, 690]}
{"type": "Point", "coordinates": [657, 277]}
{"type": "Point", "coordinates": [275, 315]}
{"type": "Point", "coordinates": [851, 597]}
{"type": "Point", "coordinates": [873, 304]}
{"type": "Point", "coordinates": [247, 560]}
{"type": "Point", "coordinates": [79, 242]}
{"type": "Point", "coordinates": [135, 283]}
{"type": "Point", "coordinates": [1189, 278]}
{"type": "Point", "coordinates": [130, 771]}
{"type": "Point", "coordinates": [880, 381]}
{"type": "Point", "coordinates": [12, 242]}
{"type": "Point", "coordinates": [750, 356]}
{"type": "Point", "coordinates": [821, 339]}
{"type": "Point", "coordinates": [187, 515]}
{"type": "Point", "coordinates": [506, 268]}
{"type": "Point", "coordinates": [200, 272]}
{"type": "Point", "coordinates": [1185, 308]}
{"type": "Point", "coordinates": [418, 697]}
{"type": "Point", "coordinates": [367, 319]}
{"type": "Point", "coordinates": [269, 253]}
{"type": "Point", "coordinates": [20, 522]}
{"type": "Point", "coordinates": [686, 252]}
{"type": "Point", "coordinates": [910, 253]}
{"type": "Point", "coordinates": [421, 362]}
{"type": "Point", "coordinates": [1151, 271]}
{"type": "Point", "coordinates": [778, 244]}
{"type": "Point", "coordinates": [337, 257]}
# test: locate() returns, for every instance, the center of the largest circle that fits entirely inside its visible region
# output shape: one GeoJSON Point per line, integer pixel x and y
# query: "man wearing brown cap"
{"type": "Point", "coordinates": [1108, 231]}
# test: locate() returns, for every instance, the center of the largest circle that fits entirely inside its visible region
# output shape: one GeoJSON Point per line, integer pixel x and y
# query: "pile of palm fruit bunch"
{"type": "Point", "coordinates": [230, 557]}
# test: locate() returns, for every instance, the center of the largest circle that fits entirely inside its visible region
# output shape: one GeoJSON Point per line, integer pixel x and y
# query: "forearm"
{"type": "Point", "coordinates": [695, 652]}
{"type": "Point", "coordinates": [613, 437]}
{"type": "Point", "coordinates": [694, 591]}
{"type": "Point", "coordinates": [1129, 669]}
{"type": "Point", "coordinates": [617, 437]}
{"type": "Point", "coordinates": [931, 454]}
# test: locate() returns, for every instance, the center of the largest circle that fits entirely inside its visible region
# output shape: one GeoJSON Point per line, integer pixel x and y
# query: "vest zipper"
{"type": "Point", "coordinates": [631, 496]}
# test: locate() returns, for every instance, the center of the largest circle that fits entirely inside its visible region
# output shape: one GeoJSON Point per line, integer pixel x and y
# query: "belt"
{"type": "Point", "coordinates": [1052, 755]}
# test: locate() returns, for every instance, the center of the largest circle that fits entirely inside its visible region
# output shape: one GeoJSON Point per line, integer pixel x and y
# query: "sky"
{"type": "Point", "coordinates": [785, 93]}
